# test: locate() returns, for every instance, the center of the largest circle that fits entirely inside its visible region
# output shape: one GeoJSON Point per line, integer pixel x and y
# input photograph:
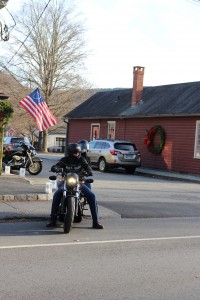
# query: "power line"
{"type": "Point", "coordinates": [4, 67]}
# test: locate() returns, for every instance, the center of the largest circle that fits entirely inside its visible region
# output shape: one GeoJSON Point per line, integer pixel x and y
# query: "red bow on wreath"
{"type": "Point", "coordinates": [149, 139]}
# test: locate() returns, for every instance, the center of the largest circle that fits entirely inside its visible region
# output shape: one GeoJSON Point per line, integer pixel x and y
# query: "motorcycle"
{"type": "Point", "coordinates": [73, 202]}
{"type": "Point", "coordinates": [24, 158]}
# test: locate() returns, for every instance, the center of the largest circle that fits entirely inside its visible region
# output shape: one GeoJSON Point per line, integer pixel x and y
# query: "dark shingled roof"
{"type": "Point", "coordinates": [173, 99]}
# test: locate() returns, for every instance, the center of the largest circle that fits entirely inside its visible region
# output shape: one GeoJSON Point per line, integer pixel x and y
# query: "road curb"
{"type": "Point", "coordinates": [168, 177]}
{"type": "Point", "coordinates": [26, 197]}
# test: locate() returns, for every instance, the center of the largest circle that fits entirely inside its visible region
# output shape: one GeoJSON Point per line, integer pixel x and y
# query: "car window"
{"type": "Point", "coordinates": [98, 145]}
{"type": "Point", "coordinates": [6, 140]}
{"type": "Point", "coordinates": [26, 140]}
{"type": "Point", "coordinates": [106, 145]}
{"type": "Point", "coordinates": [16, 140]}
{"type": "Point", "coordinates": [91, 144]}
{"type": "Point", "coordinates": [125, 147]}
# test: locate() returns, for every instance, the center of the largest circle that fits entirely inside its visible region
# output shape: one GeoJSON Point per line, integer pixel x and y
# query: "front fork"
{"type": "Point", "coordinates": [75, 194]}
{"type": "Point", "coordinates": [28, 161]}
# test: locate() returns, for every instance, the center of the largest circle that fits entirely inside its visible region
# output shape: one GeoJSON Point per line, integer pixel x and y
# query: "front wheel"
{"type": "Point", "coordinates": [102, 165]}
{"type": "Point", "coordinates": [78, 218]}
{"type": "Point", "coordinates": [35, 168]}
{"type": "Point", "coordinates": [69, 216]}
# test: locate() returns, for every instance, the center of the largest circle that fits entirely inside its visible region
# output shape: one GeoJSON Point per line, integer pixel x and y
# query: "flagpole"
{"type": "Point", "coordinates": [45, 132]}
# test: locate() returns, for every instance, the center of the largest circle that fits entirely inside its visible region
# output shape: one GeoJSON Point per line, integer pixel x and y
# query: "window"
{"type": "Point", "coordinates": [95, 131]}
{"type": "Point", "coordinates": [98, 145]}
{"type": "Point", "coordinates": [111, 130]}
{"type": "Point", "coordinates": [125, 147]}
{"type": "Point", "coordinates": [60, 142]}
{"type": "Point", "coordinates": [106, 146]}
{"type": "Point", "coordinates": [197, 141]}
{"type": "Point", "coordinates": [91, 144]}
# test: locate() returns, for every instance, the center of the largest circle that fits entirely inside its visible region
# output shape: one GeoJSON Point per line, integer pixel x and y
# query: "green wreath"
{"type": "Point", "coordinates": [149, 139]}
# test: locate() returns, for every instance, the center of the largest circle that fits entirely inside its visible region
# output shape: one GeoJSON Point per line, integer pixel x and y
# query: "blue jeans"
{"type": "Point", "coordinates": [91, 199]}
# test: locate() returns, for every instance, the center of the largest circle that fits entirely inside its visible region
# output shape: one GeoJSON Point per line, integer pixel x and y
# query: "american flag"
{"type": "Point", "coordinates": [35, 105]}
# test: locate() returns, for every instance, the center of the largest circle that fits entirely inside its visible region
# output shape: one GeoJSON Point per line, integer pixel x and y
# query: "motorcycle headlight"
{"type": "Point", "coordinates": [72, 179]}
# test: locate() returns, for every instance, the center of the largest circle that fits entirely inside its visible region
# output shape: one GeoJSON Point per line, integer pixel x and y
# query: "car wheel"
{"type": "Point", "coordinates": [102, 165]}
{"type": "Point", "coordinates": [130, 170]}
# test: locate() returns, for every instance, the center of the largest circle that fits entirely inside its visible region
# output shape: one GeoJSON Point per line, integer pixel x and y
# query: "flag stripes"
{"type": "Point", "coordinates": [35, 105]}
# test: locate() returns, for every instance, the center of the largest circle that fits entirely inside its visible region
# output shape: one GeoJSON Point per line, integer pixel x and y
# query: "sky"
{"type": "Point", "coordinates": [163, 36]}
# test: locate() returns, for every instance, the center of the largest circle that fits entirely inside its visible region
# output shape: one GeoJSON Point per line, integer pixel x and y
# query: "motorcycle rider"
{"type": "Point", "coordinates": [84, 150]}
{"type": "Point", "coordinates": [74, 158]}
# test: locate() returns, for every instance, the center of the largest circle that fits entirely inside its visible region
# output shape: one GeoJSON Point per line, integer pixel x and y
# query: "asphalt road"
{"type": "Point", "coordinates": [152, 252]}
{"type": "Point", "coordinates": [134, 196]}
{"type": "Point", "coordinates": [150, 259]}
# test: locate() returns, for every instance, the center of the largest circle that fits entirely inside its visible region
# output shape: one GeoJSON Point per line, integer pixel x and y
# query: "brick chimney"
{"type": "Point", "coordinates": [138, 74]}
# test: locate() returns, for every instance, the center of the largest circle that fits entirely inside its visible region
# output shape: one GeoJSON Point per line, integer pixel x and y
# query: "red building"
{"type": "Point", "coordinates": [130, 113]}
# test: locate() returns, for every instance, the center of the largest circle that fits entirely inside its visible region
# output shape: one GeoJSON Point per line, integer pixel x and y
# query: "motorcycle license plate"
{"type": "Point", "coordinates": [129, 156]}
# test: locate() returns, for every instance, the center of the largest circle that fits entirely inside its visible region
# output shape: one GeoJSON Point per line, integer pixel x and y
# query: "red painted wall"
{"type": "Point", "coordinates": [178, 153]}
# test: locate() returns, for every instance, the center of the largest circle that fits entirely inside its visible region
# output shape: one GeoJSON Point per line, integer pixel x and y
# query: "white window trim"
{"type": "Point", "coordinates": [111, 123]}
{"type": "Point", "coordinates": [197, 141]}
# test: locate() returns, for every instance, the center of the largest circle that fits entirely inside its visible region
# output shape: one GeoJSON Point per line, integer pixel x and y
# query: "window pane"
{"type": "Point", "coordinates": [197, 141]}
{"type": "Point", "coordinates": [91, 145]}
{"type": "Point", "coordinates": [126, 147]}
{"type": "Point", "coordinates": [106, 146]}
{"type": "Point", "coordinates": [98, 145]}
{"type": "Point", "coordinates": [111, 130]}
{"type": "Point", "coordinates": [60, 141]}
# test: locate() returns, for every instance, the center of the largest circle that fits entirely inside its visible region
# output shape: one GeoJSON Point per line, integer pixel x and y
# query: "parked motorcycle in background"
{"type": "Point", "coordinates": [25, 158]}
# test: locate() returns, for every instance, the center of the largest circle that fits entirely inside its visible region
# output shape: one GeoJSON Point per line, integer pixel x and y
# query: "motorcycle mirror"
{"type": "Point", "coordinates": [52, 177]}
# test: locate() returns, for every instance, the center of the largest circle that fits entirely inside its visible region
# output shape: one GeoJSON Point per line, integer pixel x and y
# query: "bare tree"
{"type": "Point", "coordinates": [197, 2]}
{"type": "Point", "coordinates": [51, 53]}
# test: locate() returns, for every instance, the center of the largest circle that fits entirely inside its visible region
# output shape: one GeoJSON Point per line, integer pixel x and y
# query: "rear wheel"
{"type": "Point", "coordinates": [35, 168]}
{"type": "Point", "coordinates": [102, 165]}
{"type": "Point", "coordinates": [69, 216]}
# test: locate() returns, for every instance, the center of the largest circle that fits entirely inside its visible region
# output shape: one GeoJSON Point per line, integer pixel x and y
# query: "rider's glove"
{"type": "Point", "coordinates": [55, 169]}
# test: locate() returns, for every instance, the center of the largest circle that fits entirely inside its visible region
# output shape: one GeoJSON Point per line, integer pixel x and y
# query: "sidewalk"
{"type": "Point", "coordinates": [19, 199]}
{"type": "Point", "coordinates": [168, 175]}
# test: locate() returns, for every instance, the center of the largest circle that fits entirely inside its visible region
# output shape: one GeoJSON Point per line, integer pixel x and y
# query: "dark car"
{"type": "Point", "coordinates": [106, 154]}
{"type": "Point", "coordinates": [12, 144]}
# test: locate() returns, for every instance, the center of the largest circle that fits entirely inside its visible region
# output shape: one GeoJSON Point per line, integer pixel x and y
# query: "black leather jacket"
{"type": "Point", "coordinates": [80, 164]}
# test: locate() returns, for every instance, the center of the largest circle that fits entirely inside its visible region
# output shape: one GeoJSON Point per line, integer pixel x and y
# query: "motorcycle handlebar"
{"type": "Point", "coordinates": [54, 177]}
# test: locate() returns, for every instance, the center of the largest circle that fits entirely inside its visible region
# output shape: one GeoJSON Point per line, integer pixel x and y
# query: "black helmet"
{"type": "Point", "coordinates": [84, 145]}
{"type": "Point", "coordinates": [74, 150]}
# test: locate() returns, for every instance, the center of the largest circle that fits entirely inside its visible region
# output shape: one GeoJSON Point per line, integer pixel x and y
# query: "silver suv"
{"type": "Point", "coordinates": [106, 154]}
